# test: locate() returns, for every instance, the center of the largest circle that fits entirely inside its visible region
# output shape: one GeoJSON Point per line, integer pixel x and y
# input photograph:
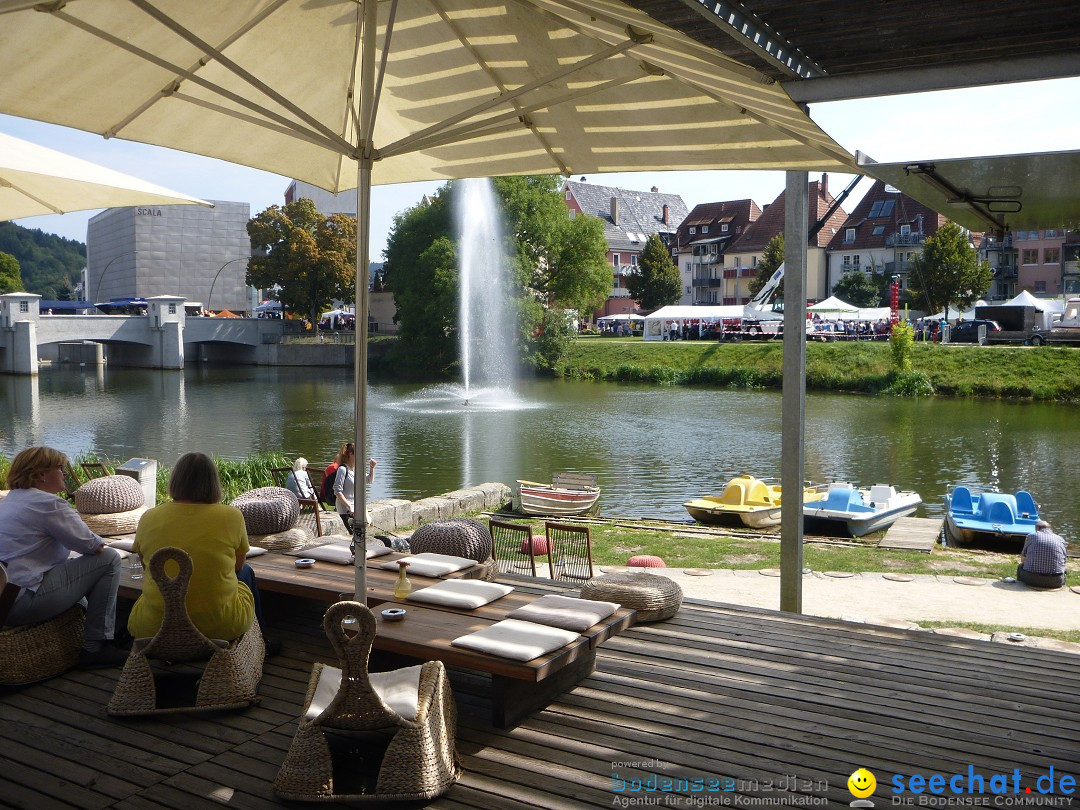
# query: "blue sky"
{"type": "Point", "coordinates": [1006, 119]}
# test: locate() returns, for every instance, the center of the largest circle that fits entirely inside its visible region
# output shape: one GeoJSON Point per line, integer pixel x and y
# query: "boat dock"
{"type": "Point", "coordinates": [913, 534]}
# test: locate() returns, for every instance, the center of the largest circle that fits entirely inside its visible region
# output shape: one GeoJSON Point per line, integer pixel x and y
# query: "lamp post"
{"type": "Point", "coordinates": [220, 269]}
{"type": "Point", "coordinates": [109, 264]}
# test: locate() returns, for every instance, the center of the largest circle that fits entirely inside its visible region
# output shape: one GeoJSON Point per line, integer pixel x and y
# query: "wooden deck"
{"type": "Point", "coordinates": [913, 534]}
{"type": "Point", "coordinates": [778, 708]}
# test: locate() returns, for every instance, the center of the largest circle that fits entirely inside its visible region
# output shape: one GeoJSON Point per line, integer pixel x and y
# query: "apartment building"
{"type": "Point", "coordinates": [884, 234]}
{"type": "Point", "coordinates": [701, 244]}
{"type": "Point", "coordinates": [741, 259]}
{"type": "Point", "coordinates": [630, 218]}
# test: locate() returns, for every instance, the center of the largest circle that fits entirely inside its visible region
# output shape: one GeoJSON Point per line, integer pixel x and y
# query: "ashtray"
{"type": "Point", "coordinates": [1016, 637]}
{"type": "Point", "coordinates": [393, 614]}
{"type": "Point", "coordinates": [1008, 579]}
{"type": "Point", "coordinates": [305, 562]}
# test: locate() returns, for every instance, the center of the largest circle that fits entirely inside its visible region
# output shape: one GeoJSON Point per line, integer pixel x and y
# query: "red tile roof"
{"type": "Point", "coordinates": [891, 209]}
{"type": "Point", "coordinates": [771, 221]}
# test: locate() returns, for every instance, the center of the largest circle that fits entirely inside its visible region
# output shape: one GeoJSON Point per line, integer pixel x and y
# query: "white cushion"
{"type": "Point", "coordinates": [329, 553]}
{"type": "Point", "coordinates": [461, 593]}
{"type": "Point", "coordinates": [255, 551]}
{"type": "Point", "coordinates": [565, 612]}
{"type": "Point", "coordinates": [123, 543]}
{"type": "Point", "coordinates": [520, 641]}
{"type": "Point", "coordinates": [376, 549]}
{"type": "Point", "coordinates": [430, 564]}
{"type": "Point", "coordinates": [399, 689]}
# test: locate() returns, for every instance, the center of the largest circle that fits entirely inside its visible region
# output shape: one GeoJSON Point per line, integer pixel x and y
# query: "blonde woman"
{"type": "Point", "coordinates": [38, 531]}
{"type": "Point", "coordinates": [299, 481]}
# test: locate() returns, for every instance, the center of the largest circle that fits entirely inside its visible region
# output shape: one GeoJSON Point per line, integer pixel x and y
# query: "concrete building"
{"type": "Point", "coordinates": [701, 243]}
{"type": "Point", "coordinates": [326, 203]}
{"type": "Point", "coordinates": [185, 250]}
{"type": "Point", "coordinates": [883, 235]}
{"type": "Point", "coordinates": [745, 252]}
{"type": "Point", "coordinates": [630, 218]}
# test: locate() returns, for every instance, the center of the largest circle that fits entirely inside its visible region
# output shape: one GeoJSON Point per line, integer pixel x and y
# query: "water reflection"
{"type": "Point", "coordinates": [652, 448]}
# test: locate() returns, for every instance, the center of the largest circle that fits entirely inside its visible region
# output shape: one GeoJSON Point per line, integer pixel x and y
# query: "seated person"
{"type": "Point", "coordinates": [1042, 560]}
{"type": "Point", "coordinates": [38, 530]}
{"type": "Point", "coordinates": [222, 598]}
{"type": "Point", "coordinates": [299, 481]}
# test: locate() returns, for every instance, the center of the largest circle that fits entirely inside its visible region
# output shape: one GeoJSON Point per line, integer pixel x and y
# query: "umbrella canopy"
{"type": "Point", "coordinates": [342, 93]}
{"type": "Point", "coordinates": [35, 180]}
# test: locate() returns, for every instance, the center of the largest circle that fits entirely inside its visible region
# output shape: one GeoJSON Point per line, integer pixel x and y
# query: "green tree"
{"type": "Point", "coordinates": [858, 289]}
{"type": "Point", "coordinates": [45, 260]}
{"type": "Point", "coordinates": [771, 258]}
{"type": "Point", "coordinates": [655, 282]}
{"type": "Point", "coordinates": [310, 258]}
{"type": "Point", "coordinates": [948, 272]}
{"type": "Point", "coordinates": [10, 277]}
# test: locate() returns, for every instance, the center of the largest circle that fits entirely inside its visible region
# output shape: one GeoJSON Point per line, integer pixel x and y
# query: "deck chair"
{"type": "Point", "coordinates": [281, 475]}
{"type": "Point", "coordinates": [569, 551]}
{"type": "Point", "coordinates": [94, 469]}
{"type": "Point", "coordinates": [370, 736]}
{"type": "Point", "coordinates": [232, 670]}
{"type": "Point", "coordinates": [510, 548]}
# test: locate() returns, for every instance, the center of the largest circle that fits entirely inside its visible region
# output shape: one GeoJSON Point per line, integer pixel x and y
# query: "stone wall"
{"type": "Point", "coordinates": [391, 514]}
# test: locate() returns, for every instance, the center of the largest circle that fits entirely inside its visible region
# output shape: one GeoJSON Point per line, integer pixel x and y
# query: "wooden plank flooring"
{"type": "Point", "coordinates": [783, 706]}
{"type": "Point", "coordinates": [914, 534]}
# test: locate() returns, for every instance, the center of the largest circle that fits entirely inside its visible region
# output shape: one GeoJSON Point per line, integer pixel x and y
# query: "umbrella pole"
{"type": "Point", "coordinates": [363, 239]}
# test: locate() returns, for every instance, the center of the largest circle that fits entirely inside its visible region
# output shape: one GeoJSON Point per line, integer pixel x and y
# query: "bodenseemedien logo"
{"type": "Point", "coordinates": [862, 785]}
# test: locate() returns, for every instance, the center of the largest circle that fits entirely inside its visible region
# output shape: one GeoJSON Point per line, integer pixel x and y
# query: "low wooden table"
{"type": "Point", "coordinates": [518, 688]}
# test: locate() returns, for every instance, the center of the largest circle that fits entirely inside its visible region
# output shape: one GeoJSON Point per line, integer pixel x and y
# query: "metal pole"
{"type": "Point", "coordinates": [793, 409]}
{"type": "Point", "coordinates": [363, 239]}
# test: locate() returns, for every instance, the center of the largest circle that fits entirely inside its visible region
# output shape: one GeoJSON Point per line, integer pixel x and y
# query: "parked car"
{"type": "Point", "coordinates": [968, 331]}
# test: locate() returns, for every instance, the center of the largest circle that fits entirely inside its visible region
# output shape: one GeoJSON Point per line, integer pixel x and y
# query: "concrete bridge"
{"type": "Point", "coordinates": [163, 338]}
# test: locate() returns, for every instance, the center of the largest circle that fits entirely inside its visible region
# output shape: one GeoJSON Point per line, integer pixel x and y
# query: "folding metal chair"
{"type": "Point", "coordinates": [569, 551]}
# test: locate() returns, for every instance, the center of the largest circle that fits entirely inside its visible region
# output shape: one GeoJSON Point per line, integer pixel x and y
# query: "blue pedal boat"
{"type": "Point", "coordinates": [992, 516]}
{"type": "Point", "coordinates": [854, 511]}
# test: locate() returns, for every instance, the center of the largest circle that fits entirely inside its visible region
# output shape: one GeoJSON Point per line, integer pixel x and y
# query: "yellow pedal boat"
{"type": "Point", "coordinates": [745, 500]}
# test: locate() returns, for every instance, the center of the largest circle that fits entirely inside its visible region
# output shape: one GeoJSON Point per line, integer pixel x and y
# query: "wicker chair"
{"type": "Point", "coordinates": [232, 670]}
{"type": "Point", "coordinates": [400, 724]}
{"type": "Point", "coordinates": [34, 652]}
{"type": "Point", "coordinates": [461, 537]}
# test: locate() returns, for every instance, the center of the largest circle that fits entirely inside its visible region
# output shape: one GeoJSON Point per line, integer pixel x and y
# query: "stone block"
{"type": "Point", "coordinates": [469, 500]}
{"type": "Point", "coordinates": [425, 510]}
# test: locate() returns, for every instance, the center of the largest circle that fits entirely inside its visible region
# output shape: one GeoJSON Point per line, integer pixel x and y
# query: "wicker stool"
{"type": "Point", "coordinates": [108, 495]}
{"type": "Point", "coordinates": [34, 652]}
{"type": "Point", "coordinates": [115, 523]}
{"type": "Point", "coordinates": [653, 597]}
{"type": "Point", "coordinates": [646, 561]}
{"type": "Point", "coordinates": [461, 537]}
{"type": "Point", "coordinates": [268, 510]}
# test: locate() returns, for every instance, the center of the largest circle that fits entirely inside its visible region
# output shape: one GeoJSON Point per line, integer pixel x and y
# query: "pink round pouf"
{"type": "Point", "coordinates": [646, 561]}
{"type": "Point", "coordinates": [539, 545]}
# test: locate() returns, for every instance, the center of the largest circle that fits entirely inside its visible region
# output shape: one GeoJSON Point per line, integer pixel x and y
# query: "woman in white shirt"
{"type": "Point", "coordinates": [299, 481]}
{"type": "Point", "coordinates": [38, 531]}
{"type": "Point", "coordinates": [345, 487]}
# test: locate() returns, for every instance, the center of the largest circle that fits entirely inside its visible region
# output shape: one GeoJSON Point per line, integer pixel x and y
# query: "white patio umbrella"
{"type": "Point", "coordinates": [35, 180]}
{"type": "Point", "coordinates": [343, 93]}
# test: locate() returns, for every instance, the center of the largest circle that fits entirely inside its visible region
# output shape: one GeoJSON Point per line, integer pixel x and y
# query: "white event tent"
{"type": "Point", "coordinates": [833, 305]}
{"type": "Point", "coordinates": [655, 323]}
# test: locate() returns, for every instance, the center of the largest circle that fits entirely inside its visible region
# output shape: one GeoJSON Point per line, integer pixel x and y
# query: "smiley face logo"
{"type": "Point", "coordinates": [862, 783]}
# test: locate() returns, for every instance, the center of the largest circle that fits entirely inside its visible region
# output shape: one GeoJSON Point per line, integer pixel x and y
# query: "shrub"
{"type": "Point", "coordinates": [902, 344]}
{"type": "Point", "coordinates": [910, 384]}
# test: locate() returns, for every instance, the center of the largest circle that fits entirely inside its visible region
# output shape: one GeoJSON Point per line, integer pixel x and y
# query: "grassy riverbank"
{"type": "Point", "coordinates": [1038, 373]}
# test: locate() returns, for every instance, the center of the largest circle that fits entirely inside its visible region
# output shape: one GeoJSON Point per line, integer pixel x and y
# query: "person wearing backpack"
{"type": "Point", "coordinates": [326, 490]}
{"type": "Point", "coordinates": [345, 486]}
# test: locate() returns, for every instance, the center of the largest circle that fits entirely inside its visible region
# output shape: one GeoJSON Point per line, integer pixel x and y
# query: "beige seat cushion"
{"type": "Point", "coordinates": [399, 689]}
{"type": "Point", "coordinates": [431, 565]}
{"type": "Point", "coordinates": [461, 593]}
{"type": "Point", "coordinates": [520, 641]}
{"type": "Point", "coordinates": [565, 612]}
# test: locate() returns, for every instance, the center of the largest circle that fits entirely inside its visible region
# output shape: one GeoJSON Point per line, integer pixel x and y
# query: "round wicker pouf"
{"type": "Point", "coordinates": [109, 495]}
{"type": "Point", "coordinates": [115, 524]}
{"type": "Point", "coordinates": [268, 510]}
{"type": "Point", "coordinates": [34, 652]}
{"type": "Point", "coordinates": [646, 561]}
{"type": "Point", "coordinates": [461, 537]}
{"type": "Point", "coordinates": [653, 597]}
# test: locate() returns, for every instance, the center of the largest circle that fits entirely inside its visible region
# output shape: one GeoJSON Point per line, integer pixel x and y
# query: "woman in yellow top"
{"type": "Point", "coordinates": [222, 599]}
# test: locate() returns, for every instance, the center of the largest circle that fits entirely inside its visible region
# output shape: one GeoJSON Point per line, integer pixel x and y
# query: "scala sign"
{"type": "Point", "coordinates": [148, 212]}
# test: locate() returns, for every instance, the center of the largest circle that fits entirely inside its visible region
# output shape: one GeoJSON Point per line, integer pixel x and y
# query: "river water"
{"type": "Point", "coordinates": [652, 448]}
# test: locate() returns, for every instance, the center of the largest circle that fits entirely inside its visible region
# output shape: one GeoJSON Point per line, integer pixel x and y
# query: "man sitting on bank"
{"type": "Point", "coordinates": [1042, 560]}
